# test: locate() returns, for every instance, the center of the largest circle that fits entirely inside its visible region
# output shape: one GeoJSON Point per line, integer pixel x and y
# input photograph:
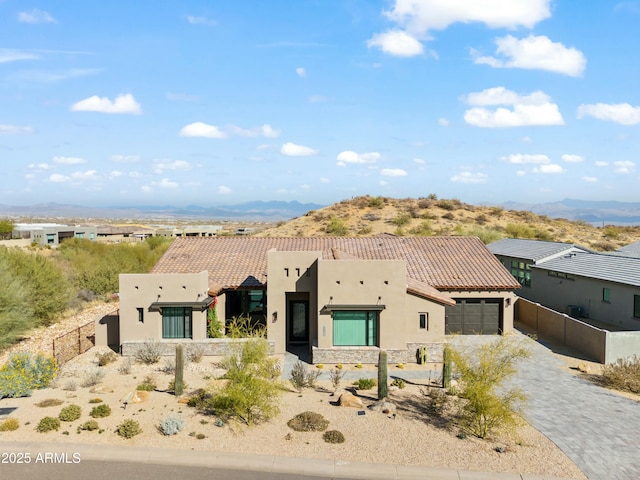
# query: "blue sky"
{"type": "Point", "coordinates": [218, 102]}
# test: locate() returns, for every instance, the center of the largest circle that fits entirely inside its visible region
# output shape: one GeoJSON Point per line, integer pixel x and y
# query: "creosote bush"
{"type": "Point", "coordinates": [100, 411]}
{"type": "Point", "coordinates": [623, 374]}
{"type": "Point", "coordinates": [302, 378]}
{"type": "Point", "coordinates": [47, 424]}
{"type": "Point", "coordinates": [333, 436]}
{"type": "Point", "coordinates": [308, 422]}
{"type": "Point", "coordinates": [9, 425]}
{"type": "Point", "coordinates": [128, 429]}
{"type": "Point", "coordinates": [70, 413]}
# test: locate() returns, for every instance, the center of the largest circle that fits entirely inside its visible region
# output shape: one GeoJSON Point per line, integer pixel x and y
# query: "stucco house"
{"type": "Point", "coordinates": [341, 299]}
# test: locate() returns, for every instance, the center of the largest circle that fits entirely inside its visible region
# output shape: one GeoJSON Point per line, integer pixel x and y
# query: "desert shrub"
{"type": "Point", "coordinates": [611, 232]}
{"type": "Point", "coordinates": [376, 202]}
{"type": "Point", "coordinates": [244, 327]}
{"type": "Point", "coordinates": [70, 386]}
{"type": "Point", "coordinates": [149, 352]}
{"type": "Point", "coordinates": [24, 373]}
{"type": "Point", "coordinates": [92, 377]}
{"type": "Point", "coordinates": [623, 374]}
{"type": "Point", "coordinates": [169, 366]}
{"type": "Point", "coordinates": [370, 217]}
{"type": "Point", "coordinates": [483, 371]}
{"type": "Point", "coordinates": [333, 436]}
{"type": "Point", "coordinates": [49, 402]}
{"type": "Point", "coordinates": [437, 400]}
{"type": "Point", "coordinates": [106, 358]}
{"type": "Point", "coordinates": [482, 219]}
{"type": "Point", "coordinates": [496, 211]}
{"type": "Point", "coordinates": [196, 352]}
{"type": "Point", "coordinates": [70, 413]}
{"type": "Point", "coordinates": [172, 386]}
{"type": "Point", "coordinates": [100, 411]}
{"type": "Point", "coordinates": [47, 424]}
{"type": "Point", "coordinates": [199, 399]}
{"type": "Point", "coordinates": [148, 384]}
{"type": "Point", "coordinates": [520, 230]}
{"type": "Point", "coordinates": [449, 216]}
{"type": "Point", "coordinates": [89, 425]}
{"type": "Point", "coordinates": [401, 220]}
{"type": "Point", "coordinates": [128, 429]}
{"type": "Point", "coordinates": [308, 422]}
{"type": "Point", "coordinates": [95, 400]}
{"type": "Point", "coordinates": [604, 246]}
{"type": "Point", "coordinates": [252, 390]}
{"type": "Point", "coordinates": [302, 378]}
{"type": "Point", "coordinates": [446, 204]}
{"type": "Point", "coordinates": [486, 235]}
{"type": "Point", "coordinates": [365, 383]}
{"type": "Point", "coordinates": [9, 425]}
{"type": "Point", "coordinates": [171, 425]}
{"type": "Point", "coordinates": [335, 376]}
{"type": "Point", "coordinates": [126, 366]}
{"type": "Point", "coordinates": [423, 229]}
{"type": "Point", "coordinates": [398, 382]}
{"type": "Point", "coordinates": [336, 227]}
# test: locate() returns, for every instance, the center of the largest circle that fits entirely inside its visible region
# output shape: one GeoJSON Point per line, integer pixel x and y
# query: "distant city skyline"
{"type": "Point", "coordinates": [214, 103]}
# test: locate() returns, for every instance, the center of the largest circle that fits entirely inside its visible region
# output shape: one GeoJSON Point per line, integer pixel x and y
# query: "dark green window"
{"type": "Point", "coordinates": [176, 322]}
{"type": "Point", "coordinates": [636, 306]}
{"type": "Point", "coordinates": [606, 295]}
{"type": "Point", "coordinates": [140, 314]}
{"type": "Point", "coordinates": [424, 321]}
{"type": "Point", "coordinates": [355, 328]}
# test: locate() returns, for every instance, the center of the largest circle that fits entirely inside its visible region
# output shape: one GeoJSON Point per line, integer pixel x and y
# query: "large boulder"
{"type": "Point", "coordinates": [350, 400]}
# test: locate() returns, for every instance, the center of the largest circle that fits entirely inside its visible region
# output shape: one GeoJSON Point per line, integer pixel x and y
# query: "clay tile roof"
{"type": "Point", "coordinates": [424, 290]}
{"type": "Point", "coordinates": [446, 263]}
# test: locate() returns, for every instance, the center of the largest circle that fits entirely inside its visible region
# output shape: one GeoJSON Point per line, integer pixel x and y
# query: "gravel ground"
{"type": "Point", "coordinates": [413, 437]}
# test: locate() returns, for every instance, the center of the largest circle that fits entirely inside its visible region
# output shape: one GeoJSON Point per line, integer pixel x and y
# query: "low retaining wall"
{"type": "Point", "coordinates": [370, 354]}
{"type": "Point", "coordinates": [622, 345]}
{"type": "Point", "coordinates": [212, 347]}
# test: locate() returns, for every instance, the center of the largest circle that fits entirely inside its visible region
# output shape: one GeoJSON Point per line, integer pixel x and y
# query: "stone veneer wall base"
{"type": "Point", "coordinates": [210, 347]}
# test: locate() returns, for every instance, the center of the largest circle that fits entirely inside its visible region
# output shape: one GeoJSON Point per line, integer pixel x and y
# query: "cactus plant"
{"type": "Point", "coordinates": [383, 388]}
{"type": "Point", "coordinates": [179, 375]}
{"type": "Point", "coordinates": [446, 368]}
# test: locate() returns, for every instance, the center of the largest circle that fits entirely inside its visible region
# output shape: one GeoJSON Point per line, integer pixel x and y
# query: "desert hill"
{"type": "Point", "coordinates": [366, 216]}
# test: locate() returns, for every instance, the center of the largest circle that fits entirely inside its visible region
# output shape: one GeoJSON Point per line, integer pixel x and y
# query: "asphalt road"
{"type": "Point", "coordinates": [135, 471]}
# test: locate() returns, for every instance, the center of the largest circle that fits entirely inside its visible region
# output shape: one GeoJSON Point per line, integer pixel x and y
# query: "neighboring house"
{"type": "Point", "coordinates": [631, 250]}
{"type": "Point", "coordinates": [53, 234]}
{"type": "Point", "coordinates": [598, 286]}
{"type": "Point", "coordinates": [189, 231]}
{"type": "Point", "coordinates": [343, 299]}
{"type": "Point", "coordinates": [519, 255]}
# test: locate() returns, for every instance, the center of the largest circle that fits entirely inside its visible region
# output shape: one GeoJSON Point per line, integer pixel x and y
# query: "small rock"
{"type": "Point", "coordinates": [393, 388]}
{"type": "Point", "coordinates": [385, 407]}
{"type": "Point", "coordinates": [101, 389]}
{"type": "Point", "coordinates": [350, 400]}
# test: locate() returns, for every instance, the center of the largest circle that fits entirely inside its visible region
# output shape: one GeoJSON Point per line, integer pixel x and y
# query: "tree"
{"type": "Point", "coordinates": [483, 371]}
{"type": "Point", "coordinates": [6, 228]}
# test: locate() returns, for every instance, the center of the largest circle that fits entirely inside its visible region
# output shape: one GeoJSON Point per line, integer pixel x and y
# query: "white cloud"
{"type": "Point", "coordinates": [265, 130]}
{"type": "Point", "coordinates": [393, 172]}
{"type": "Point", "coordinates": [589, 179]}
{"type": "Point", "coordinates": [317, 99]}
{"type": "Point", "coordinates": [527, 139]}
{"type": "Point", "coordinates": [383, 183]}
{"type": "Point", "coordinates": [324, 180]}
{"type": "Point", "coordinates": [264, 146]}
{"type": "Point", "coordinates": [293, 150]}
{"type": "Point", "coordinates": [622, 113]}
{"type": "Point", "coordinates": [125, 158]}
{"type": "Point", "coordinates": [624, 166]}
{"type": "Point", "coordinates": [9, 55]}
{"type": "Point", "coordinates": [35, 16]}
{"type": "Point", "coordinates": [419, 161]}
{"type": "Point", "coordinates": [536, 52]}
{"type": "Point", "coordinates": [602, 164]}
{"type": "Point", "coordinates": [40, 166]}
{"type": "Point", "coordinates": [521, 173]}
{"type": "Point", "coordinates": [60, 75]}
{"type": "Point", "coordinates": [522, 158]}
{"type": "Point", "coordinates": [443, 122]}
{"type": "Point", "coordinates": [122, 104]}
{"type": "Point", "coordinates": [160, 166]}
{"type": "Point", "coordinates": [302, 72]}
{"type": "Point", "coordinates": [567, 157]}
{"type": "Point", "coordinates": [58, 178]}
{"type": "Point", "coordinates": [425, 15]}
{"type": "Point", "coordinates": [88, 175]}
{"type": "Point", "coordinates": [116, 174]}
{"type": "Point", "coordinates": [166, 183]}
{"type": "Point", "coordinates": [199, 20]}
{"type": "Point", "coordinates": [69, 160]}
{"type": "Point", "coordinates": [222, 190]}
{"type": "Point", "coordinates": [14, 130]}
{"type": "Point", "coordinates": [549, 168]}
{"type": "Point", "coordinates": [470, 177]}
{"type": "Point", "coordinates": [349, 156]}
{"type": "Point", "coordinates": [527, 110]}
{"type": "Point", "coordinates": [397, 43]}
{"type": "Point", "coordinates": [199, 129]}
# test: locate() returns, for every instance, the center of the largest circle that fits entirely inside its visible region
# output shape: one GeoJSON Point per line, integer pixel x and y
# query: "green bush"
{"type": "Point", "coordinates": [9, 425]}
{"type": "Point", "coordinates": [376, 202]}
{"type": "Point", "coordinates": [128, 429]}
{"type": "Point", "coordinates": [244, 327]}
{"type": "Point", "coordinates": [89, 425]}
{"type": "Point", "coordinates": [24, 373]}
{"type": "Point", "coordinates": [624, 374]}
{"type": "Point", "coordinates": [47, 424]}
{"type": "Point", "coordinates": [148, 384]}
{"type": "Point", "coordinates": [106, 358]}
{"type": "Point", "coordinates": [252, 391]}
{"type": "Point", "coordinates": [401, 220]}
{"type": "Point", "coordinates": [333, 436]}
{"type": "Point", "coordinates": [70, 413]}
{"type": "Point", "coordinates": [336, 227]}
{"type": "Point", "coordinates": [398, 382]}
{"type": "Point", "coordinates": [100, 411]}
{"type": "Point", "coordinates": [308, 422]}
{"type": "Point", "coordinates": [483, 371]}
{"type": "Point", "coordinates": [365, 383]}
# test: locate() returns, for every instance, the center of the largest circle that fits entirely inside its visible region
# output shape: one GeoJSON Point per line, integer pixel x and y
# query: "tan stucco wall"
{"type": "Point", "coordinates": [435, 331]}
{"type": "Point", "coordinates": [141, 290]}
{"type": "Point", "coordinates": [508, 303]}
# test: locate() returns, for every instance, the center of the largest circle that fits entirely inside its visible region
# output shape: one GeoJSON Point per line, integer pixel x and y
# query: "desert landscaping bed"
{"type": "Point", "coordinates": [415, 436]}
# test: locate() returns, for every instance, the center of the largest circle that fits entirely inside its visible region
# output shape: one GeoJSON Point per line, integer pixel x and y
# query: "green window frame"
{"type": "Point", "coordinates": [355, 328]}
{"type": "Point", "coordinates": [140, 314]}
{"type": "Point", "coordinates": [606, 295]}
{"type": "Point", "coordinates": [636, 306]}
{"type": "Point", "coordinates": [424, 321]}
{"type": "Point", "coordinates": [177, 322]}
